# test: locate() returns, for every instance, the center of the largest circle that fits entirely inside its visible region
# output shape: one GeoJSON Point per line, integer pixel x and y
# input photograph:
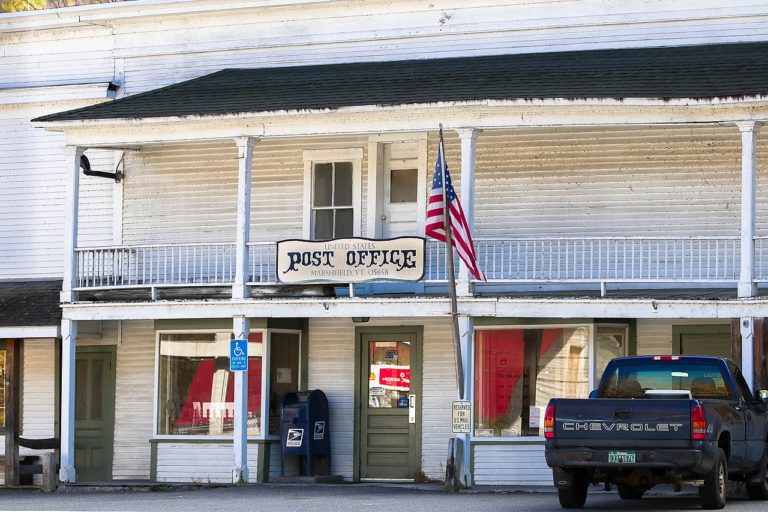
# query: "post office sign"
{"type": "Point", "coordinates": [350, 260]}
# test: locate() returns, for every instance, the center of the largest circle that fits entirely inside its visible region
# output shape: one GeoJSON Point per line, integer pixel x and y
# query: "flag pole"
{"type": "Point", "coordinates": [449, 271]}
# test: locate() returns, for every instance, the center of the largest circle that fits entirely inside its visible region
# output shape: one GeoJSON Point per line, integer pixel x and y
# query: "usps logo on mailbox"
{"type": "Point", "coordinates": [294, 438]}
{"type": "Point", "coordinates": [319, 430]}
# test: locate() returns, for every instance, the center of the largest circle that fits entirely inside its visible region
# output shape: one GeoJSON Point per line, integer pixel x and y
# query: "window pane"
{"type": "Point", "coordinates": [343, 223]}
{"type": "Point", "coordinates": [610, 342]}
{"type": "Point", "coordinates": [389, 370]}
{"type": "Point", "coordinates": [323, 185]}
{"type": "Point", "coordinates": [517, 371]}
{"type": "Point", "coordinates": [403, 186]}
{"type": "Point", "coordinates": [284, 373]}
{"type": "Point", "coordinates": [323, 225]}
{"type": "Point", "coordinates": [196, 388]}
{"type": "Point", "coordinates": [342, 194]}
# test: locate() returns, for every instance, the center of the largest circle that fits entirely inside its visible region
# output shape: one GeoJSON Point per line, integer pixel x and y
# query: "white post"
{"type": "Point", "coordinates": [466, 332]}
{"type": "Point", "coordinates": [245, 161]}
{"type": "Point", "coordinates": [468, 137]}
{"type": "Point", "coordinates": [68, 338]}
{"type": "Point", "coordinates": [749, 129]}
{"type": "Point", "coordinates": [747, 328]}
{"type": "Point", "coordinates": [72, 187]}
{"type": "Point", "coordinates": [240, 328]}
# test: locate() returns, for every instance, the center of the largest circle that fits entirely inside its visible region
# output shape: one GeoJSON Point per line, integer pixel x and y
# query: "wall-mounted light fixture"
{"type": "Point", "coordinates": [85, 165]}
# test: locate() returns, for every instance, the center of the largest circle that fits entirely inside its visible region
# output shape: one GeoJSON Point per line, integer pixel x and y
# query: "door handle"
{"type": "Point", "coordinates": [411, 408]}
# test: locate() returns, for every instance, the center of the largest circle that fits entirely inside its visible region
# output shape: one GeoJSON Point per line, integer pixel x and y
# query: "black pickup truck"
{"type": "Point", "coordinates": [680, 420]}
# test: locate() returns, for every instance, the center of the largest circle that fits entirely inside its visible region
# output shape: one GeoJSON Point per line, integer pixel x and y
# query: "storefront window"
{"type": "Point", "coordinates": [610, 342]}
{"type": "Point", "coordinates": [517, 371]}
{"type": "Point", "coordinates": [196, 388]}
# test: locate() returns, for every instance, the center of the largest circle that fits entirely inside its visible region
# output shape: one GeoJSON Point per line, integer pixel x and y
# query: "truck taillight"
{"type": "Point", "coordinates": [698, 423]}
{"type": "Point", "coordinates": [549, 421]}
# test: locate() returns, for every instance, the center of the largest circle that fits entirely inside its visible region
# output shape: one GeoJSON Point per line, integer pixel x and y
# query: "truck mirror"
{"type": "Point", "coordinates": [593, 393]}
{"type": "Point", "coordinates": [762, 395]}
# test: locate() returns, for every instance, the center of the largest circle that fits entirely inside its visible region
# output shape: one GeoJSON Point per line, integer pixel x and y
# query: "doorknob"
{"type": "Point", "coordinates": [383, 217]}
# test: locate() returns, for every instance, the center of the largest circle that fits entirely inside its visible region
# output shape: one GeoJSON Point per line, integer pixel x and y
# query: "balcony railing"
{"type": "Point", "coordinates": [511, 260]}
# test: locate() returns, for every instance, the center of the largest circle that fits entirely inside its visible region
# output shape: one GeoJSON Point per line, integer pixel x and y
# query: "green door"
{"type": "Point", "coordinates": [703, 340]}
{"type": "Point", "coordinates": [390, 412]}
{"type": "Point", "coordinates": [94, 412]}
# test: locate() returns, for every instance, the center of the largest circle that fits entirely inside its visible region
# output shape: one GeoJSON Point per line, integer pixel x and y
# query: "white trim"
{"type": "Point", "coordinates": [42, 331]}
{"type": "Point", "coordinates": [417, 307]}
{"type": "Point", "coordinates": [320, 156]}
{"type": "Point", "coordinates": [17, 94]}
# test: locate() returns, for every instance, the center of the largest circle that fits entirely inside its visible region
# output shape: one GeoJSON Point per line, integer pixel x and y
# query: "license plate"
{"type": "Point", "coordinates": [621, 457]}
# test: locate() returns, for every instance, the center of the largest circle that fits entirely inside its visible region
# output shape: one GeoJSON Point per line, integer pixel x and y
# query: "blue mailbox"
{"type": "Point", "coordinates": [304, 430]}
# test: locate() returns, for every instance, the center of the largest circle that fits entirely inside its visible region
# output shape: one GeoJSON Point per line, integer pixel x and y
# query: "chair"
{"type": "Point", "coordinates": [704, 387]}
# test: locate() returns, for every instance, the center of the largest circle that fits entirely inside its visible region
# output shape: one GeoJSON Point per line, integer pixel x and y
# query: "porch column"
{"type": "Point", "coordinates": [747, 328]}
{"type": "Point", "coordinates": [240, 328]}
{"type": "Point", "coordinates": [468, 137]}
{"type": "Point", "coordinates": [749, 129]}
{"type": "Point", "coordinates": [467, 334]}
{"type": "Point", "coordinates": [72, 189]}
{"type": "Point", "coordinates": [68, 338]}
{"type": "Point", "coordinates": [245, 161]}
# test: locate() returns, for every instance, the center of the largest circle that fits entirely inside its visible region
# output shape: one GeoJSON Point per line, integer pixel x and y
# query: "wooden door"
{"type": "Point", "coordinates": [94, 413]}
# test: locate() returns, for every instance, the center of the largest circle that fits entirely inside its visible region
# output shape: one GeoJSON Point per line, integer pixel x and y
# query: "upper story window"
{"type": "Point", "coordinates": [332, 193]}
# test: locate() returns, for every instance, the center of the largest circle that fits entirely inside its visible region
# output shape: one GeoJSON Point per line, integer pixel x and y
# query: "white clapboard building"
{"type": "Point", "coordinates": [607, 155]}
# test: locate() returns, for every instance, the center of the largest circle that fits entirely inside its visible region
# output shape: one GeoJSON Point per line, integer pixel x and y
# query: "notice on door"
{"type": "Point", "coordinates": [462, 416]}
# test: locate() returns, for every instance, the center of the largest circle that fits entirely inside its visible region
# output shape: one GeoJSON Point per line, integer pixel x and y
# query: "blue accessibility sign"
{"type": "Point", "coordinates": [238, 355]}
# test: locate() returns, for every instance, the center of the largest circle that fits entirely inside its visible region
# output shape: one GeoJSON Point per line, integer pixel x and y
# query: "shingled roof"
{"type": "Point", "coordinates": [30, 303]}
{"type": "Point", "coordinates": [695, 72]}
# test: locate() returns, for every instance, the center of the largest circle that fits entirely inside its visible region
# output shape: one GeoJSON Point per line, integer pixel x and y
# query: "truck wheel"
{"type": "Point", "coordinates": [712, 493]}
{"type": "Point", "coordinates": [759, 491]}
{"type": "Point", "coordinates": [574, 496]}
{"type": "Point", "coordinates": [628, 493]}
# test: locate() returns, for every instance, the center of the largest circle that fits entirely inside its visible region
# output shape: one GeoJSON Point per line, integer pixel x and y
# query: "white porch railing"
{"type": "Point", "coordinates": [509, 260]}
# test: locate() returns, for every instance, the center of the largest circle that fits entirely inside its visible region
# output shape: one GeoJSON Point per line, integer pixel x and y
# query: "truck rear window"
{"type": "Point", "coordinates": [632, 380]}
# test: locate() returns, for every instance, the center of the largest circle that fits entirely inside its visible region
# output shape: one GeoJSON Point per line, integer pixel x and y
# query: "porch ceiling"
{"type": "Point", "coordinates": [723, 71]}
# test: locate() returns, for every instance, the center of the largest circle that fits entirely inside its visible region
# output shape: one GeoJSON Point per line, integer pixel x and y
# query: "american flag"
{"type": "Point", "coordinates": [461, 236]}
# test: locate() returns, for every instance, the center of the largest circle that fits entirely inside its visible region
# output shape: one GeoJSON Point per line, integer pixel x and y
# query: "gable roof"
{"type": "Point", "coordinates": [695, 72]}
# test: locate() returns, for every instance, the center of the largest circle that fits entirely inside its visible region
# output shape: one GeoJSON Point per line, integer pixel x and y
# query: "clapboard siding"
{"type": "Point", "coordinates": [32, 195]}
{"type": "Point", "coordinates": [188, 192]}
{"type": "Point", "coordinates": [618, 181]}
{"type": "Point", "coordinates": [655, 336]}
{"type": "Point", "coordinates": [134, 398]}
{"type": "Point", "coordinates": [38, 404]}
{"type": "Point", "coordinates": [201, 462]}
{"type": "Point", "coordinates": [33, 57]}
{"type": "Point", "coordinates": [513, 463]}
{"type": "Point", "coordinates": [340, 32]}
{"type": "Point", "coordinates": [331, 368]}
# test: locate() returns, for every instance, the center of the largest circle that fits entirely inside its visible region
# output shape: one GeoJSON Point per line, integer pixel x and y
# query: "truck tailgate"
{"type": "Point", "coordinates": [614, 422]}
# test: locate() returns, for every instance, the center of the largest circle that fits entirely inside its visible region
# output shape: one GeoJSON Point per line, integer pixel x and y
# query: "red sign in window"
{"type": "Point", "coordinates": [395, 378]}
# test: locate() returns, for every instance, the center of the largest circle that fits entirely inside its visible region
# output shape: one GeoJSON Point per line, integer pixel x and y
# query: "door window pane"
{"type": "Point", "coordinates": [81, 397]}
{"type": "Point", "coordinates": [610, 342]}
{"type": "Point", "coordinates": [283, 374]}
{"type": "Point", "coordinates": [403, 185]}
{"type": "Point", "coordinates": [517, 371]}
{"type": "Point", "coordinates": [389, 374]}
{"type": "Point", "coordinates": [196, 388]}
{"type": "Point", "coordinates": [97, 369]}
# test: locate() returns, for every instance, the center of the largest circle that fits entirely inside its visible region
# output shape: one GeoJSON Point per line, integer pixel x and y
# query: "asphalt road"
{"type": "Point", "coordinates": [335, 498]}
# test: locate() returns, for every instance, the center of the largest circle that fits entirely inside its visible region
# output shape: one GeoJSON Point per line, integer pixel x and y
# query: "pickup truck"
{"type": "Point", "coordinates": [680, 420]}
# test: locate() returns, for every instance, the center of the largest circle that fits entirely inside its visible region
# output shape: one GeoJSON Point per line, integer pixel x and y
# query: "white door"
{"type": "Point", "coordinates": [401, 190]}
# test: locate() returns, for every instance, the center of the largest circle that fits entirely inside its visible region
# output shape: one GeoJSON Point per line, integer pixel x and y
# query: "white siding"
{"type": "Point", "coordinates": [134, 398]}
{"type": "Point", "coordinates": [655, 336]}
{"type": "Point", "coordinates": [623, 181]}
{"type": "Point", "coordinates": [38, 402]}
{"type": "Point", "coordinates": [187, 193]}
{"type": "Point", "coordinates": [32, 195]}
{"type": "Point", "coordinates": [34, 57]}
{"type": "Point", "coordinates": [341, 32]}
{"type": "Point", "coordinates": [513, 463]}
{"type": "Point", "coordinates": [201, 462]}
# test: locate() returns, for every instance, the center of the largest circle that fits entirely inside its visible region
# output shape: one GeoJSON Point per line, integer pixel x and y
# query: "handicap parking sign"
{"type": "Point", "coordinates": [238, 355]}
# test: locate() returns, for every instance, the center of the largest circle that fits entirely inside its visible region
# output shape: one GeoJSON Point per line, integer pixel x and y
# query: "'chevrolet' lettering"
{"type": "Point", "coordinates": [575, 426]}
